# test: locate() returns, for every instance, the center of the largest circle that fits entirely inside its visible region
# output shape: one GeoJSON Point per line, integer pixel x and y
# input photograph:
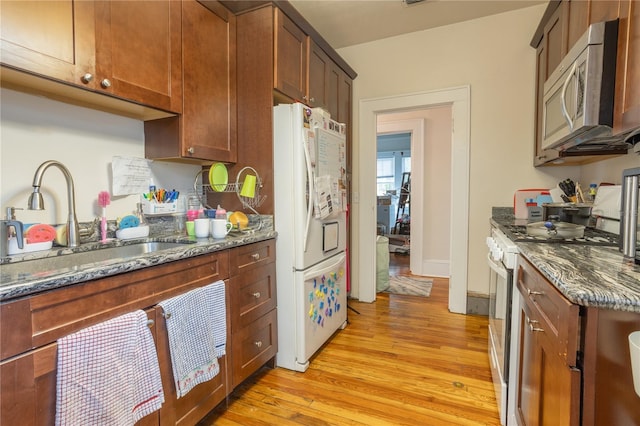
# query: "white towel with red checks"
{"type": "Point", "coordinates": [197, 334]}
{"type": "Point", "coordinates": [108, 374]}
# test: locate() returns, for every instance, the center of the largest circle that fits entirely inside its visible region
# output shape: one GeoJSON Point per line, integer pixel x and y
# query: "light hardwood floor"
{"type": "Point", "coordinates": [403, 360]}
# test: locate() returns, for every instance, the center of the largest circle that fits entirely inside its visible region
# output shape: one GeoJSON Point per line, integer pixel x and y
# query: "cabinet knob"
{"type": "Point", "coordinates": [304, 97]}
{"type": "Point", "coordinates": [256, 295]}
{"type": "Point", "coordinates": [191, 150]}
{"type": "Point", "coordinates": [87, 78]}
{"type": "Point", "coordinates": [258, 344]}
{"type": "Point", "coordinates": [150, 323]}
{"type": "Point", "coordinates": [534, 293]}
{"type": "Point", "coordinates": [312, 100]}
{"type": "Point", "coordinates": [105, 83]}
{"type": "Point", "coordinates": [255, 256]}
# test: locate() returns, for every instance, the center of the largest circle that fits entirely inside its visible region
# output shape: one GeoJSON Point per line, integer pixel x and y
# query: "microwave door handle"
{"type": "Point", "coordinates": [563, 104]}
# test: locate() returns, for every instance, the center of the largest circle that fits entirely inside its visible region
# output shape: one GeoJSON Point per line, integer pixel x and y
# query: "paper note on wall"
{"type": "Point", "coordinates": [130, 175]}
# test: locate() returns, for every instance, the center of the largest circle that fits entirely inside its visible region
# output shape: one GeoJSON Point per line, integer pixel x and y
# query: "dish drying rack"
{"type": "Point", "coordinates": [201, 190]}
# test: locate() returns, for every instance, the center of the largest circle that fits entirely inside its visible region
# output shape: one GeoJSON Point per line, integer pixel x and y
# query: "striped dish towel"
{"type": "Point", "coordinates": [195, 334]}
{"type": "Point", "coordinates": [108, 374]}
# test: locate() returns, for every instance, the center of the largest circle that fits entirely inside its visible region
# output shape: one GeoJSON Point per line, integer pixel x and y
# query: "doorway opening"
{"type": "Point", "coordinates": [370, 110]}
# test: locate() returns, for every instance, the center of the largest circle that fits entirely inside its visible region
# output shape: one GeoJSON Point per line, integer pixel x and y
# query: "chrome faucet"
{"type": "Point", "coordinates": [36, 202]}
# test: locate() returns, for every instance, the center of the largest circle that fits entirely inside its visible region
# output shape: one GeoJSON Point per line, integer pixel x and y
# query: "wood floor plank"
{"type": "Point", "coordinates": [402, 360]}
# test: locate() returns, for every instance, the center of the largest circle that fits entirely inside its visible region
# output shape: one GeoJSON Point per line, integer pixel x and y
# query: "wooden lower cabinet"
{"type": "Point", "coordinates": [549, 378]}
{"type": "Point", "coordinates": [203, 398]}
{"type": "Point", "coordinates": [252, 289]}
{"type": "Point", "coordinates": [31, 326]}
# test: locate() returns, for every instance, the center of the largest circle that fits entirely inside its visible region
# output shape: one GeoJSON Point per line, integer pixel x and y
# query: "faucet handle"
{"type": "Point", "coordinates": [11, 212]}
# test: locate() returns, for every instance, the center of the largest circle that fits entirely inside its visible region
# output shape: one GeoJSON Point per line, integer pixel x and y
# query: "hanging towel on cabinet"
{"type": "Point", "coordinates": [196, 330]}
{"type": "Point", "coordinates": [108, 374]}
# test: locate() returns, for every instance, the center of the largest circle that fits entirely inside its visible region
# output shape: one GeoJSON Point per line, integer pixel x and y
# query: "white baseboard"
{"type": "Point", "coordinates": [436, 268]}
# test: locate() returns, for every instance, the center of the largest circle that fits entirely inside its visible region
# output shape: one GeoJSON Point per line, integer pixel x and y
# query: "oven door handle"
{"type": "Point", "coordinates": [497, 267]}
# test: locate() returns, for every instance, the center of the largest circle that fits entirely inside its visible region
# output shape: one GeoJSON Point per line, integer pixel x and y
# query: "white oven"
{"type": "Point", "coordinates": [502, 259]}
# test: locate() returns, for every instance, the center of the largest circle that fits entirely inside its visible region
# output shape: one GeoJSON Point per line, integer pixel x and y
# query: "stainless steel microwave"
{"type": "Point", "coordinates": [577, 108]}
{"type": "Point", "coordinates": [629, 218]}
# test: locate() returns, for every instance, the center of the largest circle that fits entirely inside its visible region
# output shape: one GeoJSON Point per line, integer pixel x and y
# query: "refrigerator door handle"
{"type": "Point", "coordinates": [307, 158]}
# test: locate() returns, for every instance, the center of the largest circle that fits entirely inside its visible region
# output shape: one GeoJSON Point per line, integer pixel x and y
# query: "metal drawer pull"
{"type": "Point", "coordinates": [166, 315]}
{"type": "Point", "coordinates": [534, 293]}
{"type": "Point", "coordinates": [258, 344]}
{"type": "Point", "coordinates": [150, 323]}
{"type": "Point", "coordinates": [532, 328]}
{"type": "Point", "coordinates": [255, 256]}
{"type": "Point", "coordinates": [256, 295]}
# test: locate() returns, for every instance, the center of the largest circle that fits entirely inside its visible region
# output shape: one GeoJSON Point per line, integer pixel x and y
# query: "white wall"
{"type": "Point", "coordinates": [610, 170]}
{"type": "Point", "coordinates": [34, 129]}
{"type": "Point", "coordinates": [492, 55]}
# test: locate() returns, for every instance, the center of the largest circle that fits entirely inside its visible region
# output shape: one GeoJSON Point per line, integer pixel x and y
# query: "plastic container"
{"type": "Point", "coordinates": [221, 213]}
{"type": "Point", "coordinates": [382, 263]}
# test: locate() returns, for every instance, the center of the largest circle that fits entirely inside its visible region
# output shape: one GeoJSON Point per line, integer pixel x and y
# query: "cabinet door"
{"type": "Point", "coordinates": [555, 40]}
{"type": "Point", "coordinates": [138, 51]}
{"type": "Point", "coordinates": [576, 19]}
{"type": "Point", "coordinates": [28, 388]}
{"type": "Point", "coordinates": [549, 391]}
{"type": "Point", "coordinates": [319, 68]}
{"type": "Point", "coordinates": [627, 101]}
{"type": "Point", "coordinates": [333, 91]}
{"type": "Point", "coordinates": [291, 44]}
{"type": "Point", "coordinates": [209, 67]}
{"type": "Point", "coordinates": [53, 39]}
{"type": "Point", "coordinates": [207, 129]}
{"type": "Point", "coordinates": [193, 406]}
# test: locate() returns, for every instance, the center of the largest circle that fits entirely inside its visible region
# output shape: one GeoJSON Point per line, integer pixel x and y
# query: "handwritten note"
{"type": "Point", "coordinates": [131, 175]}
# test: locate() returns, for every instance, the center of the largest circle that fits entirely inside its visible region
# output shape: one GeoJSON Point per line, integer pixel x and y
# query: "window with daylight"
{"type": "Point", "coordinates": [386, 175]}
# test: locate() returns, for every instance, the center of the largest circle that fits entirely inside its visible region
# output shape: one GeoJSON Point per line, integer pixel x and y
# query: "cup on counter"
{"type": "Point", "coordinates": [201, 227]}
{"type": "Point", "coordinates": [220, 228]}
{"type": "Point", "coordinates": [191, 228]}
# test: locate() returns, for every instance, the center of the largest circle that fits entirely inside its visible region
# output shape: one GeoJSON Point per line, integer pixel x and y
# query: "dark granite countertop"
{"type": "Point", "coordinates": [592, 276]}
{"type": "Point", "coordinates": [18, 285]}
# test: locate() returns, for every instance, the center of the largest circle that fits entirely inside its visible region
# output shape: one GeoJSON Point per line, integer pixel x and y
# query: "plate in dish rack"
{"type": "Point", "coordinates": [218, 177]}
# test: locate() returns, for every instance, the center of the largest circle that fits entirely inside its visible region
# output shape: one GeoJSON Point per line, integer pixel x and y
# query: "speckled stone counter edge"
{"type": "Point", "coordinates": [586, 275]}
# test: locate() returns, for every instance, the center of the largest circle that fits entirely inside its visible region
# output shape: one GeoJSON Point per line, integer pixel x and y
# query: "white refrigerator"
{"type": "Point", "coordinates": [310, 219]}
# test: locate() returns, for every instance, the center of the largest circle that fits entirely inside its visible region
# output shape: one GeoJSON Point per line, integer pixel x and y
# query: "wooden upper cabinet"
{"type": "Point", "coordinates": [207, 129]}
{"type": "Point", "coordinates": [555, 41]}
{"type": "Point", "coordinates": [318, 77]}
{"type": "Point", "coordinates": [576, 20]}
{"type": "Point", "coordinates": [138, 51]}
{"type": "Point", "coordinates": [53, 39]}
{"type": "Point", "coordinates": [627, 101]}
{"type": "Point", "coordinates": [290, 63]}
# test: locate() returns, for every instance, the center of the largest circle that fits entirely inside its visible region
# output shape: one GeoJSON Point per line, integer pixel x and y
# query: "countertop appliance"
{"type": "Point", "coordinates": [629, 218]}
{"type": "Point", "coordinates": [310, 219]}
{"type": "Point", "coordinates": [503, 260]}
{"type": "Point", "coordinates": [577, 110]}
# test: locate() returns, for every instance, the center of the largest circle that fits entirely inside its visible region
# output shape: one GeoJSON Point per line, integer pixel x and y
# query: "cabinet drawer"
{"type": "Point", "coordinates": [253, 294]}
{"type": "Point", "coordinates": [45, 317]}
{"type": "Point", "coordinates": [557, 316]}
{"type": "Point", "coordinates": [253, 346]}
{"type": "Point", "coordinates": [245, 258]}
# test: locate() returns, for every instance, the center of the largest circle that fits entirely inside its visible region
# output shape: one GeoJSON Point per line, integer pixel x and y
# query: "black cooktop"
{"type": "Point", "coordinates": [592, 236]}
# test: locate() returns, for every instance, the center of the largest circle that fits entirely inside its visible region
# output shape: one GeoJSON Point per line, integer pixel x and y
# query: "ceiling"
{"type": "Point", "coordinates": [345, 23]}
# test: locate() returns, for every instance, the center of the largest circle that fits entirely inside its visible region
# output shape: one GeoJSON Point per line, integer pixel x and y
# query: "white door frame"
{"type": "Point", "coordinates": [416, 127]}
{"type": "Point", "coordinates": [365, 271]}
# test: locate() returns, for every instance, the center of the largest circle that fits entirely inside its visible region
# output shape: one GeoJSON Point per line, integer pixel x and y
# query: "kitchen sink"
{"type": "Point", "coordinates": [75, 260]}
